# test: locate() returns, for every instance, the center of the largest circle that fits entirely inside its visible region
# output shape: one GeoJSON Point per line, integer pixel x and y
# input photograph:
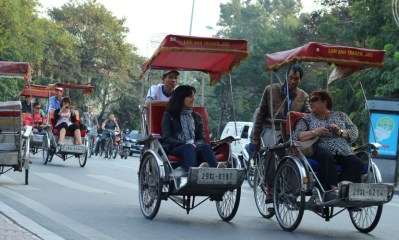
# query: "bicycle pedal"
{"type": "Point", "coordinates": [270, 209]}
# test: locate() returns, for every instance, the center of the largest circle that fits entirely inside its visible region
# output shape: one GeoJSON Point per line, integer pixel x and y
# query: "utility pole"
{"type": "Point", "coordinates": [189, 33]}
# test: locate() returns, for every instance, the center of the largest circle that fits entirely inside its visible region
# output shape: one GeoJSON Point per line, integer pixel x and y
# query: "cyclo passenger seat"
{"type": "Point", "coordinates": [155, 119]}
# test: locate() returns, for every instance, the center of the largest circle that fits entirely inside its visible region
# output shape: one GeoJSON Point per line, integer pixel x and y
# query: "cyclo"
{"type": "Point", "coordinates": [157, 173]}
{"type": "Point", "coordinates": [14, 142]}
{"type": "Point", "coordinates": [296, 185]}
{"type": "Point", "coordinates": [36, 91]}
{"type": "Point", "coordinates": [50, 138]}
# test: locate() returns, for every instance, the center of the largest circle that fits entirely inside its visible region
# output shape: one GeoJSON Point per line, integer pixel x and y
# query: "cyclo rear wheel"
{"type": "Point", "coordinates": [365, 219]}
{"type": "Point", "coordinates": [150, 187]}
{"type": "Point", "coordinates": [262, 198]}
{"type": "Point", "coordinates": [251, 172]}
{"type": "Point", "coordinates": [46, 150]}
{"type": "Point", "coordinates": [289, 199]}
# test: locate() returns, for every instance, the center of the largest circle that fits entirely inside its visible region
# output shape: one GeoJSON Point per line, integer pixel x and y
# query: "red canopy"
{"type": "Point", "coordinates": [85, 88]}
{"type": "Point", "coordinates": [37, 91]}
{"type": "Point", "coordinates": [333, 54]}
{"type": "Point", "coordinates": [215, 56]}
{"type": "Point", "coordinates": [45, 91]}
{"type": "Point", "coordinates": [15, 70]}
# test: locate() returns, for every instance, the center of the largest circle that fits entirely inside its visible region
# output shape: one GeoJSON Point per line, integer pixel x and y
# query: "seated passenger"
{"type": "Point", "coordinates": [55, 101]}
{"type": "Point", "coordinates": [39, 120]}
{"type": "Point", "coordinates": [335, 131]}
{"type": "Point", "coordinates": [65, 119]}
{"type": "Point", "coordinates": [183, 130]}
{"type": "Point", "coordinates": [26, 105]}
{"type": "Point", "coordinates": [162, 92]}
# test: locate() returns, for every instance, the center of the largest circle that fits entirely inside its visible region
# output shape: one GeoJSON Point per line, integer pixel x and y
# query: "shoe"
{"type": "Point", "coordinates": [345, 182]}
{"type": "Point", "coordinates": [222, 165]}
{"type": "Point", "coordinates": [178, 172]}
{"type": "Point", "coordinates": [331, 195]}
{"type": "Point", "coordinates": [204, 165]}
{"type": "Point", "coordinates": [183, 181]}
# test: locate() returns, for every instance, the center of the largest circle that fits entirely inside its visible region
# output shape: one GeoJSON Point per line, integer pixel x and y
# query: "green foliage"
{"type": "Point", "coordinates": [83, 42]}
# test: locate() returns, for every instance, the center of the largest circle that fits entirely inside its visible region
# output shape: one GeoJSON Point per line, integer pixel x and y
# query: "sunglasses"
{"type": "Point", "coordinates": [37, 107]}
{"type": "Point", "coordinates": [314, 99]}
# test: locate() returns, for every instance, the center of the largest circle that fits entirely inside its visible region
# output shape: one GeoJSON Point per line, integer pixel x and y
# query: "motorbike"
{"type": "Point", "coordinates": [124, 146]}
{"type": "Point", "coordinates": [247, 160]}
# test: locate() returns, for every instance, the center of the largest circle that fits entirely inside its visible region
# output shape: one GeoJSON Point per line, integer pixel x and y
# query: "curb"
{"type": "Point", "coordinates": [19, 221]}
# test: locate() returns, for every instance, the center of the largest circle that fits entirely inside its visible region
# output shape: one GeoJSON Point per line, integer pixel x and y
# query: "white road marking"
{"type": "Point", "coordinates": [68, 183]}
{"type": "Point", "coordinates": [115, 181]}
{"type": "Point", "coordinates": [6, 181]}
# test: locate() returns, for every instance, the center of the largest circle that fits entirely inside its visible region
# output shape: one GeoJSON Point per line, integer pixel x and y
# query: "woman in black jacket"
{"type": "Point", "coordinates": [65, 119]}
{"type": "Point", "coordinates": [183, 130]}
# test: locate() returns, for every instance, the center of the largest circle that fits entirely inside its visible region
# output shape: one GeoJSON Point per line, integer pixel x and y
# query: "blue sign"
{"type": "Point", "coordinates": [385, 132]}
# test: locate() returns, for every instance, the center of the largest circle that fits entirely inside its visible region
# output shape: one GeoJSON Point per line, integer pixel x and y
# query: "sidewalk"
{"type": "Point", "coordinates": [15, 226]}
{"type": "Point", "coordinates": [11, 223]}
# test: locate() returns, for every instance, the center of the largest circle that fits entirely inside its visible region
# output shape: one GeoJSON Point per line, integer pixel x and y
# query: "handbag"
{"type": "Point", "coordinates": [307, 148]}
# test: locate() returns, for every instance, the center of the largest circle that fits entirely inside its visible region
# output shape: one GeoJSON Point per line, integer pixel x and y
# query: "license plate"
{"type": "Point", "coordinates": [37, 138]}
{"type": "Point", "coordinates": [73, 148]}
{"type": "Point", "coordinates": [216, 176]}
{"type": "Point", "coordinates": [368, 192]}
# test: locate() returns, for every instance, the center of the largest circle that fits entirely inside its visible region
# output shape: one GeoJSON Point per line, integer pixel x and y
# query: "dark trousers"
{"type": "Point", "coordinates": [104, 138]}
{"type": "Point", "coordinates": [190, 153]}
{"type": "Point", "coordinates": [351, 166]}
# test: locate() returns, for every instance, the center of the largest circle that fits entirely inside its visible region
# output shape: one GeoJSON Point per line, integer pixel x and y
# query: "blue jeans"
{"type": "Point", "coordinates": [190, 153]}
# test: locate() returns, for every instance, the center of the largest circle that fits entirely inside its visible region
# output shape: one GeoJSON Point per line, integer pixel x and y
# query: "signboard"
{"type": "Point", "coordinates": [385, 132]}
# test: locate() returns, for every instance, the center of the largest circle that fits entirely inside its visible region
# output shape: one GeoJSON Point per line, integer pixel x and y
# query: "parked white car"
{"type": "Point", "coordinates": [243, 131]}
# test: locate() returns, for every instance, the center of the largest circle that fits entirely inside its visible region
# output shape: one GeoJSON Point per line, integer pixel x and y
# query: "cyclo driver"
{"type": "Point", "coordinates": [109, 124]}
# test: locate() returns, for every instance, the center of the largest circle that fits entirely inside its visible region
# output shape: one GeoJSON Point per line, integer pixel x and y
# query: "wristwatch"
{"type": "Point", "coordinates": [341, 132]}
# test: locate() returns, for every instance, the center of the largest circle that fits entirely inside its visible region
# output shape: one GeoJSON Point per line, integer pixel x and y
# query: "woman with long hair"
{"type": "Point", "coordinates": [183, 130]}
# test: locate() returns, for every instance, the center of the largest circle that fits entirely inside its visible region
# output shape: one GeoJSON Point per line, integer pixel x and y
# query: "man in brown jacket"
{"type": "Point", "coordinates": [298, 101]}
{"type": "Point", "coordinates": [276, 95]}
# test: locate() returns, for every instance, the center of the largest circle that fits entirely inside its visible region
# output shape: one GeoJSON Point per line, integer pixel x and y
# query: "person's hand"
{"type": "Point", "coordinates": [256, 145]}
{"type": "Point", "coordinates": [321, 131]}
{"type": "Point", "coordinates": [335, 129]}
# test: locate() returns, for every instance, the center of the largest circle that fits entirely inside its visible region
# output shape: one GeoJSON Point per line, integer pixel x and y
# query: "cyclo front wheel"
{"type": "Point", "coordinates": [289, 199]}
{"type": "Point", "coordinates": [365, 219]}
{"type": "Point", "coordinates": [228, 206]}
{"type": "Point", "coordinates": [88, 143]}
{"type": "Point", "coordinates": [150, 187]}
